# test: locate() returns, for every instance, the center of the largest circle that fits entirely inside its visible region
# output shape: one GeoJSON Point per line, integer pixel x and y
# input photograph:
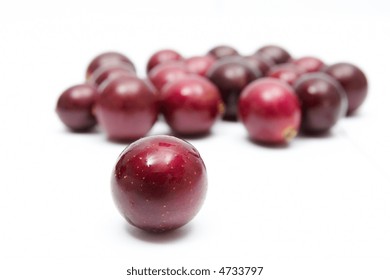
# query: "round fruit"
{"type": "Point", "coordinates": [199, 64]}
{"type": "Point", "coordinates": [163, 56]}
{"type": "Point", "coordinates": [277, 54]}
{"type": "Point", "coordinates": [354, 82]}
{"type": "Point", "coordinates": [222, 51]}
{"type": "Point", "coordinates": [323, 102]}
{"type": "Point", "coordinates": [74, 107]}
{"type": "Point", "coordinates": [126, 109]}
{"type": "Point", "coordinates": [309, 64]}
{"type": "Point", "coordinates": [191, 105]}
{"type": "Point", "coordinates": [286, 72]}
{"type": "Point", "coordinates": [166, 73]}
{"type": "Point", "coordinates": [159, 183]}
{"type": "Point", "coordinates": [231, 76]}
{"type": "Point", "coordinates": [270, 111]}
{"type": "Point", "coordinates": [108, 59]}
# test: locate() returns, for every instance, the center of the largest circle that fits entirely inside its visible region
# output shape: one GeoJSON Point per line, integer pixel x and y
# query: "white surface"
{"type": "Point", "coordinates": [318, 209]}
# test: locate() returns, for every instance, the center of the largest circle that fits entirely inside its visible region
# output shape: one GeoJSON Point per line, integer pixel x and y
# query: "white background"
{"type": "Point", "coordinates": [317, 209]}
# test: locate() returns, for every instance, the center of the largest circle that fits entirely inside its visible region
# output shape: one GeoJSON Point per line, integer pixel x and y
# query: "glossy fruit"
{"type": "Point", "coordinates": [277, 54]}
{"type": "Point", "coordinates": [126, 109]}
{"type": "Point", "coordinates": [106, 74]}
{"type": "Point", "coordinates": [162, 56]}
{"type": "Point", "coordinates": [323, 102]}
{"type": "Point", "coordinates": [354, 82]}
{"type": "Point", "coordinates": [309, 64]}
{"type": "Point", "coordinates": [191, 105]}
{"type": "Point", "coordinates": [74, 107]}
{"type": "Point", "coordinates": [286, 72]}
{"type": "Point", "coordinates": [166, 73]}
{"type": "Point", "coordinates": [108, 59]}
{"type": "Point", "coordinates": [222, 51]}
{"type": "Point", "coordinates": [199, 64]}
{"type": "Point", "coordinates": [159, 183]}
{"type": "Point", "coordinates": [270, 111]}
{"type": "Point", "coordinates": [231, 76]}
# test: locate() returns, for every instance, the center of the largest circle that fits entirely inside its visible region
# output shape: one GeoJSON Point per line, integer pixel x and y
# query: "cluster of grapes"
{"type": "Point", "coordinates": [159, 183]}
{"type": "Point", "coordinates": [274, 95]}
